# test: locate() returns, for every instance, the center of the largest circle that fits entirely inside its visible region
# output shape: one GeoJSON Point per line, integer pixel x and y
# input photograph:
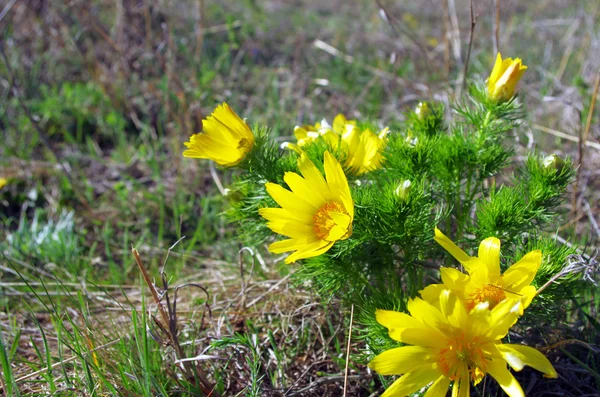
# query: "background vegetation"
{"type": "Point", "coordinates": [97, 98]}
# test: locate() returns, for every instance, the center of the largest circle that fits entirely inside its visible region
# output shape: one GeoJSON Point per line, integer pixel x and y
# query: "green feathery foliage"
{"type": "Point", "coordinates": [458, 176]}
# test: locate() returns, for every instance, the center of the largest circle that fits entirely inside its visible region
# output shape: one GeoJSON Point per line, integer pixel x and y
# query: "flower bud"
{"type": "Point", "coordinates": [292, 146]}
{"type": "Point", "coordinates": [553, 162]}
{"type": "Point", "coordinates": [503, 80]}
{"type": "Point", "coordinates": [411, 141]}
{"type": "Point", "coordinates": [422, 111]}
{"type": "Point", "coordinates": [403, 189]}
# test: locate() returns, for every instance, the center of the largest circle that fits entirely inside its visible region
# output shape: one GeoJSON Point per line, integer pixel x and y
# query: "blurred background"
{"type": "Point", "coordinates": [97, 97]}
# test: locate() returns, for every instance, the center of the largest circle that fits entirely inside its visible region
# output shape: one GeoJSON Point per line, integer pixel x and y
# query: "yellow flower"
{"type": "Point", "coordinates": [504, 78]}
{"type": "Point", "coordinates": [450, 345]}
{"type": "Point", "coordinates": [3, 182]}
{"type": "Point", "coordinates": [340, 123]}
{"type": "Point", "coordinates": [309, 133]}
{"type": "Point", "coordinates": [484, 282]}
{"type": "Point", "coordinates": [306, 133]}
{"type": "Point", "coordinates": [226, 138]}
{"type": "Point", "coordinates": [314, 214]}
{"type": "Point", "coordinates": [363, 149]}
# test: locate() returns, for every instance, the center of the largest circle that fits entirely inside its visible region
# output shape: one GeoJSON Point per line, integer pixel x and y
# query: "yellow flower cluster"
{"type": "Point", "coordinates": [453, 335]}
{"type": "Point", "coordinates": [362, 149]}
{"type": "Point", "coordinates": [455, 329]}
{"type": "Point", "coordinates": [226, 138]}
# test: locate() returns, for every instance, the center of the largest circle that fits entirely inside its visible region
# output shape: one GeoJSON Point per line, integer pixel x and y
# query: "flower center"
{"type": "Point", "coordinates": [462, 354]}
{"type": "Point", "coordinates": [490, 293]}
{"type": "Point", "coordinates": [332, 222]}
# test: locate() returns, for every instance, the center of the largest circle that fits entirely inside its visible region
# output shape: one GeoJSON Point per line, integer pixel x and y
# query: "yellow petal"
{"type": "Point", "coordinates": [462, 386]}
{"type": "Point", "coordinates": [402, 359]}
{"type": "Point", "coordinates": [310, 250]}
{"type": "Point", "coordinates": [339, 123]}
{"type": "Point", "coordinates": [412, 381]}
{"type": "Point", "coordinates": [489, 253]}
{"type": "Point", "coordinates": [527, 294]}
{"type": "Point", "coordinates": [341, 228]}
{"type": "Point", "coordinates": [522, 273]}
{"type": "Point", "coordinates": [453, 310]}
{"type": "Point", "coordinates": [502, 317]}
{"type": "Point", "coordinates": [506, 84]}
{"type": "Point", "coordinates": [226, 116]}
{"type": "Point", "coordinates": [338, 183]}
{"type": "Point", "coordinates": [312, 174]}
{"type": "Point", "coordinates": [204, 146]}
{"type": "Point", "coordinates": [431, 293]}
{"type": "Point", "coordinates": [301, 132]}
{"type": "Point", "coordinates": [279, 247]}
{"type": "Point", "coordinates": [423, 336]}
{"type": "Point", "coordinates": [404, 328]}
{"type": "Point", "coordinates": [453, 279]}
{"type": "Point", "coordinates": [280, 214]}
{"type": "Point", "coordinates": [496, 73]}
{"type": "Point", "coordinates": [478, 271]}
{"type": "Point", "coordinates": [517, 356]}
{"type": "Point", "coordinates": [426, 313]}
{"type": "Point", "coordinates": [292, 229]}
{"type": "Point", "coordinates": [315, 213]}
{"type": "Point", "coordinates": [392, 319]}
{"type": "Point", "coordinates": [439, 388]}
{"type": "Point", "coordinates": [497, 369]}
{"type": "Point", "coordinates": [288, 200]}
{"type": "Point", "coordinates": [449, 246]}
{"type": "Point", "coordinates": [314, 195]}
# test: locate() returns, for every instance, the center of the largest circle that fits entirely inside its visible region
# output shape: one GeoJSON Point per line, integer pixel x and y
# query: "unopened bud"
{"type": "Point", "coordinates": [422, 110]}
{"type": "Point", "coordinates": [412, 141]}
{"type": "Point", "coordinates": [292, 146]}
{"type": "Point", "coordinates": [403, 189]}
{"type": "Point", "coordinates": [553, 162]}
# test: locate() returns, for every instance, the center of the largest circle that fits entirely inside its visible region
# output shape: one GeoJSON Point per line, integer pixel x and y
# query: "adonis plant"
{"type": "Point", "coordinates": [429, 227]}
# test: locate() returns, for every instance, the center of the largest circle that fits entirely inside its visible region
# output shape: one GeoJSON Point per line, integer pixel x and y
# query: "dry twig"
{"type": "Point", "coordinates": [473, 23]}
{"type": "Point", "coordinates": [348, 351]}
{"type": "Point", "coordinates": [169, 327]}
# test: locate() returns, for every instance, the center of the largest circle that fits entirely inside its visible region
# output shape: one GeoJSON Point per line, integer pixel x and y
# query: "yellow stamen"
{"type": "Point", "coordinates": [462, 352]}
{"type": "Point", "coordinates": [322, 220]}
{"type": "Point", "coordinates": [490, 293]}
